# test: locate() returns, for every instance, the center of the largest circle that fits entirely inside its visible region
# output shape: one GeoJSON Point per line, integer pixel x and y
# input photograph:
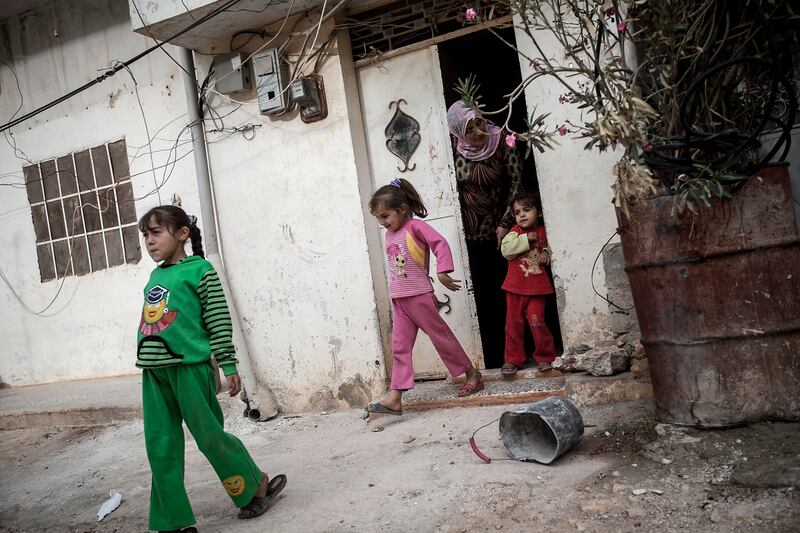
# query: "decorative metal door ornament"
{"type": "Point", "coordinates": [402, 135]}
{"type": "Point", "coordinates": [442, 304]}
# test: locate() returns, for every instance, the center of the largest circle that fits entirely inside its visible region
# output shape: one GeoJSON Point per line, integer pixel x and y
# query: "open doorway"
{"type": "Point", "coordinates": [496, 68]}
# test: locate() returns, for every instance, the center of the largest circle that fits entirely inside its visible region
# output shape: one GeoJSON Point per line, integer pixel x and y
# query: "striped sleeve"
{"type": "Point", "coordinates": [217, 319]}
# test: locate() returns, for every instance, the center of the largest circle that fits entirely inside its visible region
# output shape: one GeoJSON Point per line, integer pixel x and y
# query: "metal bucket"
{"type": "Point", "coordinates": [541, 431]}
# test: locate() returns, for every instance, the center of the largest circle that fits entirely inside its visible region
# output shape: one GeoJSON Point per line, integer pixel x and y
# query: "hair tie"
{"type": "Point", "coordinates": [192, 222]}
{"type": "Point", "coordinates": [397, 183]}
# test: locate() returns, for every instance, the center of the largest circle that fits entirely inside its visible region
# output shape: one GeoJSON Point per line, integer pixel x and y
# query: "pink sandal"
{"type": "Point", "coordinates": [468, 388]}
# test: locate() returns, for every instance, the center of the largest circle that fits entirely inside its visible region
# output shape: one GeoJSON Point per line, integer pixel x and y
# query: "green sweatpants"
{"type": "Point", "coordinates": [187, 392]}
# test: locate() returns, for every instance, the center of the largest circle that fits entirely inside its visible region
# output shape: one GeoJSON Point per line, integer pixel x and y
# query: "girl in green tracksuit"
{"type": "Point", "coordinates": [185, 320]}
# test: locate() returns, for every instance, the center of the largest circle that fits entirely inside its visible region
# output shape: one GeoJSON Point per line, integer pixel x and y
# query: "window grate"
{"type": "Point", "coordinates": [401, 24]}
{"type": "Point", "coordinates": [83, 211]}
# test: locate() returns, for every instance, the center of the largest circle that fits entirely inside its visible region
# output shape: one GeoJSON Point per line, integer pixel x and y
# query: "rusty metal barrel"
{"type": "Point", "coordinates": [717, 296]}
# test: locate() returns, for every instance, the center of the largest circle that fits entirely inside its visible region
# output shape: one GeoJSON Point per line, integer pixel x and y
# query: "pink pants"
{"type": "Point", "coordinates": [524, 310]}
{"type": "Point", "coordinates": [411, 314]}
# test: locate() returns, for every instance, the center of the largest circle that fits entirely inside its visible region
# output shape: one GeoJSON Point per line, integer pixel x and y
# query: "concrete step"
{"type": "Point", "coordinates": [493, 374]}
{"type": "Point", "coordinates": [116, 400]}
{"type": "Point", "coordinates": [440, 394]}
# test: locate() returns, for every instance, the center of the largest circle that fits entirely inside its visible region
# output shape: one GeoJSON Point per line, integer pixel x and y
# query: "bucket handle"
{"type": "Point", "coordinates": [485, 458]}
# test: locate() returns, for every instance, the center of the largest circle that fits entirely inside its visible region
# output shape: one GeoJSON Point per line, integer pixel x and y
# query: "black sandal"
{"type": "Point", "coordinates": [259, 505]}
{"type": "Point", "coordinates": [190, 529]}
{"type": "Point", "coordinates": [509, 369]}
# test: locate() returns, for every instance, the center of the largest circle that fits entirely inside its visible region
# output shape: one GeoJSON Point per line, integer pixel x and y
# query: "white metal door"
{"type": "Point", "coordinates": [415, 78]}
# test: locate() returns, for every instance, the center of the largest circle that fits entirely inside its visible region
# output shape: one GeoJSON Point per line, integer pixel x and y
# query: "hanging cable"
{"type": "Point", "coordinates": [116, 68]}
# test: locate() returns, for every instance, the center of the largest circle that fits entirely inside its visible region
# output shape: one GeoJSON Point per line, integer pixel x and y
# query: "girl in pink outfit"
{"type": "Point", "coordinates": [408, 245]}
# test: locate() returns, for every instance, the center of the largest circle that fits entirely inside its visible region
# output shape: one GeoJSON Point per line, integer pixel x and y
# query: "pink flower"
{"type": "Point", "coordinates": [511, 140]}
{"type": "Point", "coordinates": [471, 14]}
{"type": "Point", "coordinates": [648, 146]}
{"type": "Point", "coordinates": [621, 27]}
{"type": "Point", "coordinates": [562, 130]}
{"type": "Point", "coordinates": [536, 64]}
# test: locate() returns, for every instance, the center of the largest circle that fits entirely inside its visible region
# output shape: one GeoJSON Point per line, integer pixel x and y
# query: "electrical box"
{"type": "Point", "coordinates": [271, 76]}
{"type": "Point", "coordinates": [315, 108]}
{"type": "Point", "coordinates": [232, 74]}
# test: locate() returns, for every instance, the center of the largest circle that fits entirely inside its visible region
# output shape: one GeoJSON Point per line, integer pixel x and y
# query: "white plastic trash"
{"type": "Point", "coordinates": [110, 504]}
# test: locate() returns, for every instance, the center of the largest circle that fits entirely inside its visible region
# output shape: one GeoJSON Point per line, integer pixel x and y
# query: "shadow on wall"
{"type": "Point", "coordinates": [56, 24]}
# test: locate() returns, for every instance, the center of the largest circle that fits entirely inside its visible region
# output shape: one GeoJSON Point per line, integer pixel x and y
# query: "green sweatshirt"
{"type": "Point", "coordinates": [185, 318]}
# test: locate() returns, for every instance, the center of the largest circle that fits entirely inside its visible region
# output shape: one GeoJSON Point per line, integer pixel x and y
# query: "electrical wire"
{"type": "Point", "coordinates": [117, 68]}
{"type": "Point", "coordinates": [70, 243]}
{"type": "Point", "coordinates": [146, 127]}
{"type": "Point", "coordinates": [591, 276]}
{"type": "Point", "coordinates": [150, 34]}
{"type": "Point", "coordinates": [18, 153]}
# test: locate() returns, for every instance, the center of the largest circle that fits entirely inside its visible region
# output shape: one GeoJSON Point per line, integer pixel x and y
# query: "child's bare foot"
{"type": "Point", "coordinates": [267, 491]}
{"type": "Point", "coordinates": [393, 405]}
{"type": "Point", "coordinates": [262, 488]}
{"type": "Point", "coordinates": [473, 376]}
{"type": "Point", "coordinates": [473, 384]}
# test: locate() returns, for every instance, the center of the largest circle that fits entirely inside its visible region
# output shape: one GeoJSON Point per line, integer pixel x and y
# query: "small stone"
{"type": "Point", "coordinates": [498, 526]}
{"type": "Point", "coordinates": [636, 512]}
{"type": "Point", "coordinates": [452, 462]}
{"type": "Point", "coordinates": [716, 516]}
{"type": "Point", "coordinates": [376, 429]}
{"type": "Point", "coordinates": [634, 465]}
{"type": "Point", "coordinates": [640, 367]}
{"type": "Point", "coordinates": [666, 461]}
{"type": "Point", "coordinates": [408, 439]}
{"type": "Point", "coordinates": [370, 484]}
{"type": "Point", "coordinates": [657, 491]}
{"type": "Point", "coordinates": [639, 492]}
{"type": "Point", "coordinates": [738, 441]}
{"type": "Point", "coordinates": [598, 506]}
{"type": "Point", "coordinates": [616, 473]}
{"type": "Point", "coordinates": [565, 363]}
{"type": "Point", "coordinates": [607, 434]}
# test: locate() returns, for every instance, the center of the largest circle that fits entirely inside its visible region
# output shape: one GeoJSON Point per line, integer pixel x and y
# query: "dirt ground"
{"type": "Point", "coordinates": [345, 476]}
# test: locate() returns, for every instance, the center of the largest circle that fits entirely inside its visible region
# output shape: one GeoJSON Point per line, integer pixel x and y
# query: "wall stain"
{"type": "Point", "coordinates": [112, 98]}
{"type": "Point", "coordinates": [335, 351]}
{"type": "Point", "coordinates": [355, 392]}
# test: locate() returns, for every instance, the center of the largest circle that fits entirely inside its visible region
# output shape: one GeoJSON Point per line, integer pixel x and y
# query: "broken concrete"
{"type": "Point", "coordinates": [585, 390]}
{"type": "Point", "coordinates": [603, 361]}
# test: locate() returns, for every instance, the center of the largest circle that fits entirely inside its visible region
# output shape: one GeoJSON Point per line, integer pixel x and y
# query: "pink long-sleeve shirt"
{"type": "Point", "coordinates": [408, 252]}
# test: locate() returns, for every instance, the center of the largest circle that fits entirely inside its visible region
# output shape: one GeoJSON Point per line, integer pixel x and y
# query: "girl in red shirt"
{"type": "Point", "coordinates": [526, 285]}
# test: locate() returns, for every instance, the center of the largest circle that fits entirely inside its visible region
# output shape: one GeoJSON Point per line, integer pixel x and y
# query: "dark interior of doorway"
{"type": "Point", "coordinates": [496, 68]}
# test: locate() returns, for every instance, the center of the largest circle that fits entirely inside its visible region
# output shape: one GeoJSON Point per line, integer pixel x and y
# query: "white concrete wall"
{"type": "Point", "coordinates": [295, 248]}
{"type": "Point", "coordinates": [575, 186]}
{"type": "Point", "coordinates": [90, 330]}
{"type": "Point", "coordinates": [290, 215]}
{"type": "Point", "coordinates": [289, 207]}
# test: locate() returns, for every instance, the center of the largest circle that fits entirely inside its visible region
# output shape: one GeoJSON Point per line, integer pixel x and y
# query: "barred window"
{"type": "Point", "coordinates": [83, 211]}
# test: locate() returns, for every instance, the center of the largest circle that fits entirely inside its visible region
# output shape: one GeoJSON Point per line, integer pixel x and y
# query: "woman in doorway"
{"type": "Point", "coordinates": [488, 173]}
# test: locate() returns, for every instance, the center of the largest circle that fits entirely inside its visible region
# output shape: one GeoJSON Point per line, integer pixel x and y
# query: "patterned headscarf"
{"type": "Point", "coordinates": [458, 116]}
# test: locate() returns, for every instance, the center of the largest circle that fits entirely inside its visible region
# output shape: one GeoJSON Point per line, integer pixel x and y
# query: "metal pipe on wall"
{"type": "Point", "coordinates": [260, 401]}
